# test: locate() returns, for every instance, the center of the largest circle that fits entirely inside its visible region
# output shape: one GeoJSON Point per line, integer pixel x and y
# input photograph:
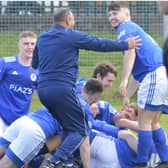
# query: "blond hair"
{"type": "Point", "coordinates": [135, 107]}
{"type": "Point", "coordinates": [25, 34]}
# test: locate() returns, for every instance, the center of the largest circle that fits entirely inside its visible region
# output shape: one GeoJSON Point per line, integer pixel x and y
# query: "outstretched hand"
{"type": "Point", "coordinates": [134, 42]}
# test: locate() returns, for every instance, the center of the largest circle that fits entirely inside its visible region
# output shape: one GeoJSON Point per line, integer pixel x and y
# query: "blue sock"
{"type": "Point", "coordinates": [144, 146]}
{"type": "Point", "coordinates": [36, 162]}
{"type": "Point", "coordinates": [160, 141]}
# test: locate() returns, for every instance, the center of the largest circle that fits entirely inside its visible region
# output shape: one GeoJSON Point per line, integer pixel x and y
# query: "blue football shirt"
{"type": "Point", "coordinates": [106, 112]}
{"type": "Point", "coordinates": [148, 57]}
{"type": "Point", "coordinates": [46, 121]}
{"type": "Point", "coordinates": [17, 84]}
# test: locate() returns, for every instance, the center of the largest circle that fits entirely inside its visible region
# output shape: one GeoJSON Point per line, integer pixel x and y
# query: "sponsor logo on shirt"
{"type": "Point", "coordinates": [20, 89]}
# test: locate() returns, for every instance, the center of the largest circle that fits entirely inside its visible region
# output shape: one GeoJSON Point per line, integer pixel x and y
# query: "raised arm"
{"type": "Point", "coordinates": [84, 41]}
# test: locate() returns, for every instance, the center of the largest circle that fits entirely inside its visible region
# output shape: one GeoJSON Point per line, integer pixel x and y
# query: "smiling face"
{"type": "Point", "coordinates": [106, 73]}
{"type": "Point", "coordinates": [115, 18]}
{"type": "Point", "coordinates": [117, 15]}
{"type": "Point", "coordinates": [107, 81]}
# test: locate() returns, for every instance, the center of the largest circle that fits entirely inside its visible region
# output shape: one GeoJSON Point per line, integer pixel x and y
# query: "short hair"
{"type": "Point", "coordinates": [135, 107]}
{"type": "Point", "coordinates": [25, 34]}
{"type": "Point", "coordinates": [118, 5]}
{"type": "Point", "coordinates": [93, 86]}
{"type": "Point", "coordinates": [61, 14]}
{"type": "Point", "coordinates": [165, 54]}
{"type": "Point", "coordinates": [103, 69]}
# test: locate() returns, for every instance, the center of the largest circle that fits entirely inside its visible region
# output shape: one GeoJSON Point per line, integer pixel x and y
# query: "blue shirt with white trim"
{"type": "Point", "coordinates": [148, 57]}
{"type": "Point", "coordinates": [106, 112]}
{"type": "Point", "coordinates": [46, 121]}
{"type": "Point", "coordinates": [97, 124]}
{"type": "Point", "coordinates": [17, 84]}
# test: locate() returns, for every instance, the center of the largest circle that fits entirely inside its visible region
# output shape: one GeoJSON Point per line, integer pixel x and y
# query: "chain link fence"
{"type": "Point", "coordinates": [91, 16]}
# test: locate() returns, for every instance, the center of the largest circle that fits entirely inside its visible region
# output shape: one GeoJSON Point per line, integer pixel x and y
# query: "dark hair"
{"type": "Point", "coordinates": [61, 14]}
{"type": "Point", "coordinates": [117, 6]}
{"type": "Point", "coordinates": [103, 69]}
{"type": "Point", "coordinates": [93, 86]}
{"type": "Point", "coordinates": [165, 54]}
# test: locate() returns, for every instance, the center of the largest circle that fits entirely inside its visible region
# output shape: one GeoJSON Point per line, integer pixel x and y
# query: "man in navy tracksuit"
{"type": "Point", "coordinates": [56, 57]}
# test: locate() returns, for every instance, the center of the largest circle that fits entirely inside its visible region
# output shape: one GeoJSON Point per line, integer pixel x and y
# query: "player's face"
{"type": "Point", "coordinates": [116, 17]}
{"type": "Point", "coordinates": [129, 113]}
{"type": "Point", "coordinates": [26, 47]}
{"type": "Point", "coordinates": [108, 80]}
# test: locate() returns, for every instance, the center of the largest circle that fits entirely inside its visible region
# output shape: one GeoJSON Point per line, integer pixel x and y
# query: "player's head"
{"type": "Point", "coordinates": [26, 44]}
{"type": "Point", "coordinates": [118, 13]}
{"type": "Point", "coordinates": [65, 17]}
{"type": "Point", "coordinates": [165, 54]}
{"type": "Point", "coordinates": [106, 73]}
{"type": "Point", "coordinates": [92, 90]}
{"type": "Point", "coordinates": [130, 112]}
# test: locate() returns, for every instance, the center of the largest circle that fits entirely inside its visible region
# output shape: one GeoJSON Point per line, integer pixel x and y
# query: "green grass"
{"type": "Point", "coordinates": [87, 60]}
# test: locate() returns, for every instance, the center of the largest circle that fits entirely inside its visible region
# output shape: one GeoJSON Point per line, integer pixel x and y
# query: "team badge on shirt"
{"type": "Point", "coordinates": [33, 77]}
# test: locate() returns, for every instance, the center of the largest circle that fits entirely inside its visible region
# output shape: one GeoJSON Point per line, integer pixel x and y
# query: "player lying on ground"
{"type": "Point", "coordinates": [26, 136]}
{"type": "Point", "coordinates": [39, 126]}
{"type": "Point", "coordinates": [125, 118]}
